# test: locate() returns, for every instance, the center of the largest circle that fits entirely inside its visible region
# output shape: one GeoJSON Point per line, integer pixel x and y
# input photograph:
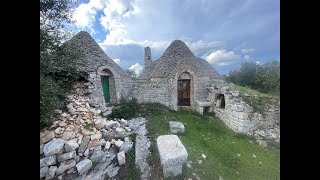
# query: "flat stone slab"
{"type": "Point", "coordinates": [176, 127]}
{"type": "Point", "coordinates": [204, 103]}
{"type": "Point", "coordinates": [171, 150]}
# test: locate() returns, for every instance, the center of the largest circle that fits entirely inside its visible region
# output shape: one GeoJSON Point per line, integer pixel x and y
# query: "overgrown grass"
{"type": "Point", "coordinates": [228, 154]}
{"type": "Point", "coordinates": [256, 99]}
{"type": "Point", "coordinates": [132, 172]}
{"type": "Point", "coordinates": [209, 136]}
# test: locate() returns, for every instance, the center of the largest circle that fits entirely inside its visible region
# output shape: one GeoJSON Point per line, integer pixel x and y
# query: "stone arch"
{"type": "Point", "coordinates": [105, 73]}
{"type": "Point", "coordinates": [186, 73]}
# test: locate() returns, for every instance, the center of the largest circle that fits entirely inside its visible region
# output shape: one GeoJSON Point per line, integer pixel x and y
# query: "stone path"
{"type": "Point", "coordinates": [142, 146]}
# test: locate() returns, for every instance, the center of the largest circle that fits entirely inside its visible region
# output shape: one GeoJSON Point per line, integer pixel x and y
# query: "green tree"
{"type": "Point", "coordinates": [57, 68]}
{"type": "Point", "coordinates": [132, 73]}
{"type": "Point", "coordinates": [264, 78]}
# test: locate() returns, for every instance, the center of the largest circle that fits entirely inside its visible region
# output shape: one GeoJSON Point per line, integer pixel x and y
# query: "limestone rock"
{"type": "Point", "coordinates": [86, 153]}
{"type": "Point", "coordinates": [107, 146]}
{"type": "Point", "coordinates": [71, 128]}
{"type": "Point", "coordinates": [83, 166]}
{"type": "Point", "coordinates": [62, 124]}
{"type": "Point", "coordinates": [118, 143]}
{"type": "Point", "coordinates": [110, 124]}
{"type": "Point", "coordinates": [96, 155]}
{"type": "Point", "coordinates": [66, 156]}
{"type": "Point", "coordinates": [121, 158]}
{"type": "Point", "coordinates": [126, 146]}
{"type": "Point", "coordinates": [71, 145]}
{"type": "Point", "coordinates": [112, 170]}
{"type": "Point", "coordinates": [127, 129]}
{"type": "Point", "coordinates": [41, 148]}
{"type": "Point", "coordinates": [171, 150]}
{"type": "Point", "coordinates": [96, 136]}
{"type": "Point", "coordinates": [123, 122]}
{"type": "Point", "coordinates": [102, 142]}
{"type": "Point", "coordinates": [53, 147]}
{"type": "Point", "coordinates": [47, 137]}
{"type": "Point", "coordinates": [51, 172]}
{"type": "Point", "coordinates": [100, 123]}
{"type": "Point", "coordinates": [82, 109]}
{"type": "Point", "coordinates": [68, 135]}
{"type": "Point", "coordinates": [59, 130]}
{"type": "Point", "coordinates": [43, 171]}
{"type": "Point", "coordinates": [176, 127]}
{"type": "Point", "coordinates": [84, 144]}
{"type": "Point", "coordinates": [93, 143]}
{"type": "Point", "coordinates": [262, 143]}
{"type": "Point", "coordinates": [48, 161]}
{"type": "Point", "coordinates": [65, 165]}
{"type": "Point", "coordinates": [119, 130]}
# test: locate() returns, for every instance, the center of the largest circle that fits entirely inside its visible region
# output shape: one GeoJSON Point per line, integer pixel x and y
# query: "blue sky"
{"type": "Point", "coordinates": [223, 32]}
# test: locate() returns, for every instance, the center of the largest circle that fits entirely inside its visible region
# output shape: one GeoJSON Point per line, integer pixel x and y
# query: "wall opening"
{"type": "Point", "coordinates": [108, 85]}
{"type": "Point", "coordinates": [206, 109]}
{"type": "Point", "coordinates": [220, 103]}
{"type": "Point", "coordinates": [184, 89]}
{"type": "Point", "coordinates": [184, 92]}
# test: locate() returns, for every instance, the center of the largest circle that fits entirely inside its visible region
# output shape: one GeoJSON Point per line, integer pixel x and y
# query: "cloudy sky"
{"type": "Point", "coordinates": [223, 32]}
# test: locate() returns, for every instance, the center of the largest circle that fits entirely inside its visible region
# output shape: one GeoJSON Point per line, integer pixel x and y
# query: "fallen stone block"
{"type": "Point", "coordinates": [176, 127]}
{"type": "Point", "coordinates": [172, 154]}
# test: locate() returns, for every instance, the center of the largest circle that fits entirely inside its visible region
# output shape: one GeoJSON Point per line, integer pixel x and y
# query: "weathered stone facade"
{"type": "Point", "coordinates": [237, 114]}
{"type": "Point", "coordinates": [158, 82]}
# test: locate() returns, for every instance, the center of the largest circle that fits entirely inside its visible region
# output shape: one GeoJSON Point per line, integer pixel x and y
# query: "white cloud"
{"type": "Point", "coordinates": [137, 68]}
{"type": "Point", "coordinates": [246, 57]}
{"type": "Point", "coordinates": [84, 14]}
{"type": "Point", "coordinates": [118, 61]}
{"type": "Point", "coordinates": [246, 51]}
{"type": "Point", "coordinates": [222, 57]}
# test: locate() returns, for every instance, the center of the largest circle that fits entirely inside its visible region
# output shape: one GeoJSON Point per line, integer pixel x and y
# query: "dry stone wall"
{"type": "Point", "coordinates": [238, 115]}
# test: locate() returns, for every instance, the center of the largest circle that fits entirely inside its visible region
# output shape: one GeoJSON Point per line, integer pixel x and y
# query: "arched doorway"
{"type": "Point", "coordinates": [184, 89]}
{"type": "Point", "coordinates": [107, 85]}
{"type": "Point", "coordinates": [105, 82]}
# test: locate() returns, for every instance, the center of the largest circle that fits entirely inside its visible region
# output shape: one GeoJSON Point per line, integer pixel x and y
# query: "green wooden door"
{"type": "Point", "coordinates": [105, 87]}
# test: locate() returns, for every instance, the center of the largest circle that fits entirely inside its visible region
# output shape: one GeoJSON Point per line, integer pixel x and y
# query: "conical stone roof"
{"type": "Point", "coordinates": [176, 55]}
{"type": "Point", "coordinates": [94, 57]}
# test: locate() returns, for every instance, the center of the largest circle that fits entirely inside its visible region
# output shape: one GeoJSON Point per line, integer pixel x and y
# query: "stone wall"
{"type": "Point", "coordinates": [119, 86]}
{"type": "Point", "coordinates": [164, 90]}
{"type": "Point", "coordinates": [151, 91]}
{"type": "Point", "coordinates": [238, 115]}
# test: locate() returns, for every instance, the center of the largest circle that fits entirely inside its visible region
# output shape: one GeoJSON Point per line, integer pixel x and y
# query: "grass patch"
{"type": "Point", "coordinates": [257, 99]}
{"type": "Point", "coordinates": [88, 126]}
{"type": "Point", "coordinates": [221, 146]}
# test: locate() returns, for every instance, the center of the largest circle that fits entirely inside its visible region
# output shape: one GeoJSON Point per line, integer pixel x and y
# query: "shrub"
{"type": "Point", "coordinates": [127, 109]}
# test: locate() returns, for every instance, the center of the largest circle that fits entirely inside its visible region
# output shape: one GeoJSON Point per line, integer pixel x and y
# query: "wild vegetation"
{"type": "Point", "coordinates": [57, 70]}
{"type": "Point", "coordinates": [228, 154]}
{"type": "Point", "coordinates": [265, 78]}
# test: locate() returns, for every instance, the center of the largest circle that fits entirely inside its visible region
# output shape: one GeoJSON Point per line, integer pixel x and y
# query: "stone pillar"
{"type": "Point", "coordinates": [147, 57]}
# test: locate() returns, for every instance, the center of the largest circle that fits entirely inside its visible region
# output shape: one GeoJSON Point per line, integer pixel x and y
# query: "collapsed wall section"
{"type": "Point", "coordinates": [237, 114]}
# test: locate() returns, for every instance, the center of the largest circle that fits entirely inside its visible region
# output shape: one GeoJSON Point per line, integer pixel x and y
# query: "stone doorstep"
{"type": "Point", "coordinates": [204, 103]}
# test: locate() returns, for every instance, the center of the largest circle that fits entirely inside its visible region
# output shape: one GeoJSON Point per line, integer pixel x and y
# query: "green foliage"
{"type": "Point", "coordinates": [208, 135]}
{"type": "Point", "coordinates": [264, 78]}
{"type": "Point", "coordinates": [256, 99]}
{"type": "Point", "coordinates": [127, 109]}
{"type": "Point", "coordinates": [57, 65]}
{"type": "Point", "coordinates": [132, 74]}
{"type": "Point", "coordinates": [49, 100]}
{"type": "Point", "coordinates": [131, 108]}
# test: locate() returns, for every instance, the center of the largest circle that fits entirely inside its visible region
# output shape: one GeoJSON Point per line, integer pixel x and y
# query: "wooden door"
{"type": "Point", "coordinates": [184, 92]}
{"type": "Point", "coordinates": [105, 88]}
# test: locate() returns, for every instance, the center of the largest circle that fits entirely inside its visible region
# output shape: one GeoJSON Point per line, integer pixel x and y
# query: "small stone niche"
{"type": "Point", "coordinates": [220, 103]}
